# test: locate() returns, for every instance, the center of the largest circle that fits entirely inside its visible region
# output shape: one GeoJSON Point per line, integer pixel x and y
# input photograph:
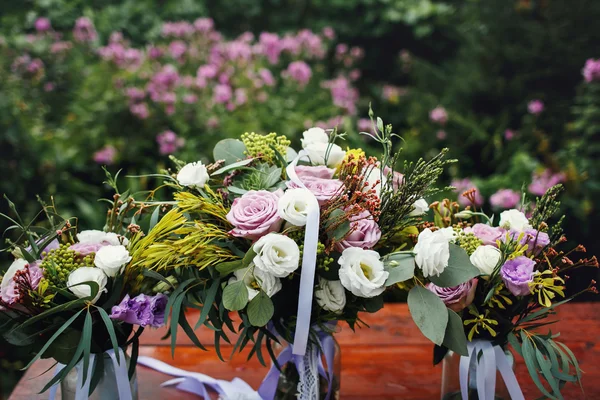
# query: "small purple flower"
{"type": "Point", "coordinates": [204, 25]}
{"type": "Point", "coordinates": [329, 33]}
{"type": "Point", "coordinates": [542, 181]}
{"type": "Point", "coordinates": [299, 71]}
{"type": "Point", "coordinates": [84, 30]}
{"type": "Point", "coordinates": [270, 46]}
{"type": "Point", "coordinates": [177, 49]}
{"type": "Point", "coordinates": [266, 76]}
{"type": "Point", "coordinates": [509, 134]}
{"type": "Point", "coordinates": [42, 24]}
{"type": "Point", "coordinates": [505, 199]}
{"type": "Point", "coordinates": [487, 234]}
{"type": "Point", "coordinates": [535, 107]}
{"type": "Point", "coordinates": [169, 142]}
{"type": "Point", "coordinates": [439, 115]}
{"type": "Point", "coordinates": [106, 155]}
{"type": "Point", "coordinates": [141, 310]}
{"type": "Point", "coordinates": [591, 70]}
{"type": "Point", "coordinates": [517, 274]}
{"type": "Point", "coordinates": [457, 298]}
{"type": "Point", "coordinates": [222, 93]}
{"type": "Point", "coordinates": [462, 185]}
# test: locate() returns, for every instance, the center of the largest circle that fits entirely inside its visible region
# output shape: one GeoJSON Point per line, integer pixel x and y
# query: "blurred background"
{"type": "Point", "coordinates": [512, 87]}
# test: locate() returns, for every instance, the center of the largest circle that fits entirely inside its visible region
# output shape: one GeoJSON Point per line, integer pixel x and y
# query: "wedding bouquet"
{"type": "Point", "coordinates": [522, 279]}
{"type": "Point", "coordinates": [77, 297]}
{"type": "Point", "coordinates": [295, 243]}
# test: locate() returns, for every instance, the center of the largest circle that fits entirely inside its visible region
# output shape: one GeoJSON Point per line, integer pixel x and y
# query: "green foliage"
{"type": "Point", "coordinates": [429, 313]}
{"type": "Point", "coordinates": [459, 269]}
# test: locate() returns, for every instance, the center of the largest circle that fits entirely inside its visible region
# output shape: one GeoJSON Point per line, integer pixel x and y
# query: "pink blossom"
{"type": "Point", "coordinates": [365, 125]}
{"type": "Point", "coordinates": [262, 96]}
{"type": "Point", "coordinates": [392, 93]}
{"type": "Point", "coordinates": [49, 86]}
{"type": "Point", "coordinates": [222, 93]}
{"type": "Point", "coordinates": [177, 49]}
{"type": "Point", "coordinates": [255, 214]}
{"type": "Point", "coordinates": [212, 122]}
{"type": "Point", "coordinates": [591, 70]}
{"type": "Point", "coordinates": [299, 71]}
{"type": "Point", "coordinates": [139, 110]}
{"type": "Point", "coordinates": [177, 29]}
{"type": "Point", "coordinates": [439, 115]}
{"type": "Point", "coordinates": [106, 155]}
{"type": "Point", "coordinates": [441, 134]}
{"type": "Point", "coordinates": [343, 94]}
{"type": "Point", "coordinates": [535, 107]}
{"type": "Point", "coordinates": [354, 75]}
{"type": "Point", "coordinates": [357, 52]}
{"type": "Point", "coordinates": [42, 24]}
{"type": "Point", "coordinates": [84, 30]}
{"type": "Point", "coordinates": [85, 249]}
{"type": "Point", "coordinates": [154, 52]}
{"type": "Point", "coordinates": [204, 25]}
{"type": "Point", "coordinates": [240, 96]}
{"type": "Point", "coordinates": [341, 49]}
{"type": "Point", "coordinates": [270, 46]}
{"type": "Point", "coordinates": [60, 47]}
{"type": "Point", "coordinates": [487, 234]}
{"type": "Point", "coordinates": [509, 134]}
{"type": "Point", "coordinates": [135, 94]}
{"type": "Point", "coordinates": [190, 98]}
{"type": "Point", "coordinates": [456, 298]}
{"type": "Point", "coordinates": [169, 142]}
{"type": "Point", "coordinates": [266, 76]}
{"type": "Point", "coordinates": [329, 33]}
{"type": "Point", "coordinates": [505, 199]}
{"type": "Point", "coordinates": [542, 181]}
{"type": "Point", "coordinates": [35, 66]}
{"type": "Point", "coordinates": [462, 185]}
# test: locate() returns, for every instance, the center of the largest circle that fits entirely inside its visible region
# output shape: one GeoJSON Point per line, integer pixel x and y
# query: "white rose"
{"type": "Point", "coordinates": [255, 279]}
{"type": "Point", "coordinates": [331, 295]}
{"type": "Point", "coordinates": [111, 259]}
{"type": "Point", "coordinates": [17, 265]}
{"type": "Point", "coordinates": [421, 207]}
{"type": "Point", "coordinates": [485, 258]}
{"type": "Point", "coordinates": [514, 220]}
{"type": "Point", "coordinates": [193, 174]}
{"type": "Point", "coordinates": [362, 272]}
{"type": "Point", "coordinates": [317, 152]}
{"type": "Point", "coordinates": [99, 237]}
{"type": "Point", "coordinates": [294, 205]}
{"type": "Point", "coordinates": [314, 135]}
{"type": "Point", "coordinates": [432, 252]}
{"type": "Point", "coordinates": [276, 254]}
{"type": "Point", "coordinates": [87, 274]}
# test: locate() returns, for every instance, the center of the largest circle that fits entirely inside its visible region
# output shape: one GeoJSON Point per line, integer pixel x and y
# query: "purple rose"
{"type": "Point", "coordinates": [322, 172]}
{"type": "Point", "coordinates": [85, 249]}
{"type": "Point", "coordinates": [323, 189]}
{"type": "Point", "coordinates": [516, 274]}
{"type": "Point", "coordinates": [141, 310]}
{"type": "Point", "coordinates": [365, 233]}
{"type": "Point", "coordinates": [458, 297]}
{"type": "Point", "coordinates": [255, 214]}
{"type": "Point", "coordinates": [488, 234]}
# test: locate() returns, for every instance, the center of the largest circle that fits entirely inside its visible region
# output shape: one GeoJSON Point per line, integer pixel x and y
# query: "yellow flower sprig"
{"type": "Point", "coordinates": [480, 321]}
{"type": "Point", "coordinates": [499, 298]}
{"type": "Point", "coordinates": [546, 285]}
{"type": "Point", "coordinates": [210, 205]}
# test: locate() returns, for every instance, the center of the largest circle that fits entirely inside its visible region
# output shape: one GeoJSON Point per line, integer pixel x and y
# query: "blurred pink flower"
{"type": "Point", "coordinates": [139, 110]}
{"type": "Point", "coordinates": [329, 33]}
{"type": "Point", "coordinates": [240, 96]}
{"type": "Point", "coordinates": [505, 199]}
{"type": "Point", "coordinates": [177, 29]}
{"type": "Point", "coordinates": [364, 125]}
{"type": "Point", "coordinates": [177, 49]}
{"type": "Point", "coordinates": [222, 93]}
{"type": "Point", "coordinates": [106, 155]}
{"type": "Point", "coordinates": [535, 107]}
{"type": "Point", "coordinates": [441, 134]}
{"type": "Point", "coordinates": [84, 30]}
{"type": "Point", "coordinates": [190, 98]}
{"type": "Point", "coordinates": [213, 122]}
{"type": "Point", "coordinates": [439, 115]}
{"type": "Point", "coordinates": [204, 25]}
{"type": "Point", "coordinates": [299, 71]}
{"type": "Point", "coordinates": [343, 94]}
{"type": "Point", "coordinates": [542, 181]}
{"type": "Point", "coordinates": [462, 185]}
{"type": "Point", "coordinates": [261, 97]}
{"type": "Point", "coordinates": [60, 47]}
{"type": "Point", "coordinates": [509, 134]}
{"type": "Point", "coordinates": [49, 86]}
{"type": "Point", "coordinates": [266, 76]}
{"type": "Point", "coordinates": [169, 142]}
{"type": "Point", "coordinates": [42, 24]}
{"type": "Point", "coordinates": [270, 46]}
{"type": "Point", "coordinates": [591, 70]}
{"type": "Point", "coordinates": [154, 52]}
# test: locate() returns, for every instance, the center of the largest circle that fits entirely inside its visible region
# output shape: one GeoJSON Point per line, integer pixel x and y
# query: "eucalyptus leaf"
{"type": "Point", "coordinates": [340, 230]}
{"type": "Point", "coordinates": [248, 257]}
{"type": "Point", "coordinates": [454, 337]}
{"type": "Point", "coordinates": [236, 190]}
{"type": "Point", "coordinates": [400, 266]}
{"type": "Point", "coordinates": [260, 309]}
{"type": "Point", "coordinates": [459, 269]}
{"type": "Point", "coordinates": [229, 150]}
{"type": "Point", "coordinates": [225, 268]}
{"type": "Point", "coordinates": [235, 165]}
{"type": "Point", "coordinates": [235, 296]}
{"type": "Point", "coordinates": [429, 313]}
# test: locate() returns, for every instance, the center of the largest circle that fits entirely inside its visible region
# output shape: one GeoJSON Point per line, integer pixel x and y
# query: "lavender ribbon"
{"type": "Point", "coordinates": [326, 346]}
{"type": "Point", "coordinates": [83, 383]}
{"type": "Point", "coordinates": [309, 262]}
{"type": "Point", "coordinates": [492, 358]}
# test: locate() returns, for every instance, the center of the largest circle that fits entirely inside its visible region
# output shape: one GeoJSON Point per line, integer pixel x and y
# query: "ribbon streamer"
{"type": "Point", "coordinates": [492, 358]}
{"type": "Point", "coordinates": [83, 387]}
{"type": "Point", "coordinates": [309, 262]}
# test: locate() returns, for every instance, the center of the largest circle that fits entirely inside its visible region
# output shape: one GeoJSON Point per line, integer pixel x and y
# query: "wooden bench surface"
{"type": "Point", "coordinates": [389, 360]}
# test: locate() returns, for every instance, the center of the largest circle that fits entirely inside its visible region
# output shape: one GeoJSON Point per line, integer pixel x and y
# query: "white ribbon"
{"type": "Point", "coordinates": [492, 358]}
{"type": "Point", "coordinates": [83, 387]}
{"type": "Point", "coordinates": [195, 382]}
{"type": "Point", "coordinates": [309, 263]}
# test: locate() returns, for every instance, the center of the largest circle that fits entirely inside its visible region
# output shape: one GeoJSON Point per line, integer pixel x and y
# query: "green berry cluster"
{"type": "Point", "coordinates": [323, 259]}
{"type": "Point", "coordinates": [59, 263]}
{"type": "Point", "coordinates": [469, 242]}
{"type": "Point", "coordinates": [261, 145]}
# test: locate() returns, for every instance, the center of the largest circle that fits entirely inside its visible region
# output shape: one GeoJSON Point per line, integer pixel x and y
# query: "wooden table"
{"type": "Point", "coordinates": [391, 360]}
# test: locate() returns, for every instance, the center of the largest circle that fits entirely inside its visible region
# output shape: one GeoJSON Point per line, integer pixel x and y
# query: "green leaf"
{"type": "Point", "coordinates": [455, 338]}
{"type": "Point", "coordinates": [235, 296]}
{"type": "Point", "coordinates": [514, 342]}
{"type": "Point", "coordinates": [459, 269]}
{"type": "Point", "coordinates": [429, 313]}
{"type": "Point", "coordinates": [400, 266]}
{"type": "Point", "coordinates": [546, 367]}
{"type": "Point", "coordinates": [236, 190]}
{"type": "Point", "coordinates": [86, 337]}
{"type": "Point", "coordinates": [229, 150]}
{"type": "Point", "coordinates": [111, 332]}
{"type": "Point", "coordinates": [232, 166]}
{"type": "Point", "coordinates": [211, 293]}
{"type": "Point", "coordinates": [249, 257]}
{"type": "Point", "coordinates": [373, 304]}
{"type": "Point", "coordinates": [225, 268]}
{"type": "Point", "coordinates": [340, 230]}
{"type": "Point", "coordinates": [532, 364]}
{"type": "Point", "coordinates": [154, 218]}
{"type": "Point", "coordinates": [273, 175]}
{"type": "Point", "coordinates": [260, 309]}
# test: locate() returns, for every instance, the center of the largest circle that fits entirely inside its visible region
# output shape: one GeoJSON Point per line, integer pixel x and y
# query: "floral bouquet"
{"type": "Point", "coordinates": [521, 281]}
{"type": "Point", "coordinates": [295, 243]}
{"type": "Point", "coordinates": [77, 297]}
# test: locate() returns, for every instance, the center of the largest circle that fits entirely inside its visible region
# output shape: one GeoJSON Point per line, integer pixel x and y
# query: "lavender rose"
{"type": "Point", "coordinates": [255, 214]}
{"type": "Point", "coordinates": [365, 233]}
{"type": "Point", "coordinates": [141, 310]}
{"type": "Point", "coordinates": [488, 234]}
{"type": "Point", "coordinates": [323, 189]}
{"type": "Point", "coordinates": [517, 274]}
{"type": "Point", "coordinates": [458, 297]}
{"type": "Point", "coordinates": [85, 249]}
{"type": "Point", "coordinates": [322, 172]}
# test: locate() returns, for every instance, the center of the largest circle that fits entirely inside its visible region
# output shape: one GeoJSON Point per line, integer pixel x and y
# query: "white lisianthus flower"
{"type": "Point", "coordinates": [432, 252]}
{"type": "Point", "coordinates": [294, 205]}
{"type": "Point", "coordinates": [93, 236]}
{"type": "Point", "coordinates": [87, 274]}
{"type": "Point", "coordinates": [514, 220]}
{"type": "Point", "coordinates": [276, 254]}
{"type": "Point", "coordinates": [314, 135]}
{"type": "Point", "coordinates": [111, 259]}
{"type": "Point", "coordinates": [421, 207]}
{"type": "Point", "coordinates": [193, 174]}
{"type": "Point", "coordinates": [331, 295]}
{"type": "Point", "coordinates": [486, 258]}
{"type": "Point", "coordinates": [17, 265]}
{"type": "Point", "coordinates": [321, 152]}
{"type": "Point", "coordinates": [256, 279]}
{"type": "Point", "coordinates": [449, 233]}
{"type": "Point", "coordinates": [374, 178]}
{"type": "Point", "coordinates": [362, 272]}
